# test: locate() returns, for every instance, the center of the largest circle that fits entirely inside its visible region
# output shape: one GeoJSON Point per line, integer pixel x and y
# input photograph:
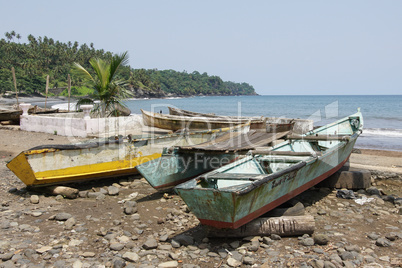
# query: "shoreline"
{"type": "Point", "coordinates": [379, 160]}
{"type": "Point", "coordinates": [366, 142]}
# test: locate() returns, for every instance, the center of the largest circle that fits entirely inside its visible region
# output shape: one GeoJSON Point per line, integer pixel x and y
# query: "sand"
{"type": "Point", "coordinates": [27, 226]}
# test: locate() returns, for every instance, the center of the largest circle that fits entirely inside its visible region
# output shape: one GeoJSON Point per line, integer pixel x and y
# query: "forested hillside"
{"type": "Point", "coordinates": [43, 56]}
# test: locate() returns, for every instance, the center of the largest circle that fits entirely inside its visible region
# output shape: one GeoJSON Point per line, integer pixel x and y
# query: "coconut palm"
{"type": "Point", "coordinates": [107, 88]}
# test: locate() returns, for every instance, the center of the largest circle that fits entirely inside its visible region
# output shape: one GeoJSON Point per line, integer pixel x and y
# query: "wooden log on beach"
{"type": "Point", "coordinates": [283, 226]}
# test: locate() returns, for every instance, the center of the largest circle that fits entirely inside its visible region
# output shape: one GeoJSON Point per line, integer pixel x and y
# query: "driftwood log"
{"type": "Point", "coordinates": [283, 226]}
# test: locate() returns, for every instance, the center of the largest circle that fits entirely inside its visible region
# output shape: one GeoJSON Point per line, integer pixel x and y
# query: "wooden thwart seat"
{"type": "Point", "coordinates": [236, 142]}
{"type": "Point", "coordinates": [233, 176]}
{"type": "Point", "coordinates": [284, 153]}
{"type": "Point", "coordinates": [319, 137]}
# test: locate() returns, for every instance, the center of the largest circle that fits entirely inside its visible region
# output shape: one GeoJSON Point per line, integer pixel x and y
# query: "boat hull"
{"type": "Point", "coordinates": [173, 169]}
{"type": "Point", "coordinates": [174, 122]}
{"type": "Point", "coordinates": [56, 164]}
{"type": "Point", "coordinates": [11, 115]}
{"type": "Point", "coordinates": [244, 190]}
{"type": "Point", "coordinates": [183, 163]}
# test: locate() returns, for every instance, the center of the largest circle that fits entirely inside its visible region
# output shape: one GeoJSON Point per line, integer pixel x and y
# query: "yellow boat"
{"type": "Point", "coordinates": [102, 158]}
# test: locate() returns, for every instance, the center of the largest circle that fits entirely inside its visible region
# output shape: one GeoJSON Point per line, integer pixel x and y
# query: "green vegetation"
{"type": "Point", "coordinates": [107, 89]}
{"type": "Point", "coordinates": [40, 57]}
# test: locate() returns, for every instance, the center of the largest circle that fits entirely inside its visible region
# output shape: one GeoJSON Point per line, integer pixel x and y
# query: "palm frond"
{"type": "Point", "coordinates": [101, 69]}
{"type": "Point", "coordinates": [117, 60]}
{"type": "Point", "coordinates": [82, 72]}
{"type": "Point", "coordinates": [108, 89]}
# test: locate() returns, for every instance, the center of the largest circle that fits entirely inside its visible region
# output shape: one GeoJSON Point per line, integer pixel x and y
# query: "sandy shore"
{"type": "Point", "coordinates": [379, 160]}
{"type": "Point", "coordinates": [101, 229]}
{"type": "Point", "coordinates": [7, 102]}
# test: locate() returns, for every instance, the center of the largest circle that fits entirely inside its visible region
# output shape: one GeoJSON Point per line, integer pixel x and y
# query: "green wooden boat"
{"type": "Point", "coordinates": [181, 163]}
{"type": "Point", "coordinates": [239, 192]}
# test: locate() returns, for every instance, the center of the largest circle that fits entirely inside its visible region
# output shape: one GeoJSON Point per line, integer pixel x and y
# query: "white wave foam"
{"type": "Point", "coordinates": [397, 133]}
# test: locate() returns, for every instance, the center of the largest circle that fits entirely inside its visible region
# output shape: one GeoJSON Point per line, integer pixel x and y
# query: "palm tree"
{"type": "Point", "coordinates": [107, 88]}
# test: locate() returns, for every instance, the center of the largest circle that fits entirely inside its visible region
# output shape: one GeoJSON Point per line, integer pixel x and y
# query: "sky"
{"type": "Point", "coordinates": [279, 47]}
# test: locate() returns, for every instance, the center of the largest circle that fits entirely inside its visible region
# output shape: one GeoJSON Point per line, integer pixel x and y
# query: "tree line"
{"type": "Point", "coordinates": [42, 56]}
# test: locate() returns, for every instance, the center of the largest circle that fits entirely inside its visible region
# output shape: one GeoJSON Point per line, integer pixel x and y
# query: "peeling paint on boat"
{"type": "Point", "coordinates": [55, 164]}
{"type": "Point", "coordinates": [239, 192]}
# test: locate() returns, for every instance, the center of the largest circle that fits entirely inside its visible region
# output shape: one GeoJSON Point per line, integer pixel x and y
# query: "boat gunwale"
{"type": "Point", "coordinates": [201, 118]}
{"type": "Point", "coordinates": [101, 142]}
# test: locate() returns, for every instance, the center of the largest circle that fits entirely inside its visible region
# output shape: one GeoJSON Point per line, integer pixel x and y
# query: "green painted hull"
{"type": "Point", "coordinates": [237, 193]}
{"type": "Point", "coordinates": [174, 168]}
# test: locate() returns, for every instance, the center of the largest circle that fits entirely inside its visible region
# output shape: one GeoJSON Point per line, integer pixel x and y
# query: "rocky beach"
{"type": "Point", "coordinates": [124, 222]}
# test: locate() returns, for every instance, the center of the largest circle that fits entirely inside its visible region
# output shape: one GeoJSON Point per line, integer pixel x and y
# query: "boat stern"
{"type": "Point", "coordinates": [22, 169]}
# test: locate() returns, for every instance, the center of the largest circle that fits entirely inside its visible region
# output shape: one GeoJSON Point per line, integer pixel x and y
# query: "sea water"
{"type": "Point", "coordinates": [382, 113]}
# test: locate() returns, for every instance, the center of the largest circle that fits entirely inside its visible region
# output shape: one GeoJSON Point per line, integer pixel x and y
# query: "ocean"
{"type": "Point", "coordinates": [382, 113]}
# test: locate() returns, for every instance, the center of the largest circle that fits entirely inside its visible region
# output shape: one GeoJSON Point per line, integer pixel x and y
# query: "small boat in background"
{"type": "Point", "coordinates": [300, 125]}
{"type": "Point", "coordinates": [181, 163]}
{"type": "Point", "coordinates": [235, 194]}
{"type": "Point", "coordinates": [180, 112]}
{"type": "Point", "coordinates": [176, 111]}
{"type": "Point", "coordinates": [14, 114]}
{"type": "Point", "coordinates": [10, 115]}
{"type": "Point", "coordinates": [176, 122]}
{"type": "Point", "coordinates": [101, 158]}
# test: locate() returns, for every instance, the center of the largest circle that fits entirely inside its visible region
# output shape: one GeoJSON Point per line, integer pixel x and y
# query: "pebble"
{"type": "Point", "coordinates": [131, 256]}
{"type": "Point", "coordinates": [168, 264]}
{"type": "Point", "coordinates": [101, 196]}
{"type": "Point", "coordinates": [317, 263]}
{"type": "Point", "coordinates": [254, 246]}
{"type": "Point", "coordinates": [321, 212]}
{"type": "Point", "coordinates": [88, 254]}
{"type": "Point", "coordinates": [36, 214]}
{"type": "Point", "coordinates": [346, 255]}
{"type": "Point", "coordinates": [275, 237]}
{"type": "Point", "coordinates": [43, 249]}
{"type": "Point", "coordinates": [113, 190]}
{"type": "Point", "coordinates": [232, 262]}
{"type": "Point", "coordinates": [384, 258]}
{"type": "Point", "coordinates": [175, 244]}
{"type": "Point", "coordinates": [130, 210]}
{"type": "Point", "coordinates": [235, 244]}
{"type": "Point", "coordinates": [328, 264]}
{"type": "Point", "coordinates": [83, 194]}
{"type": "Point", "coordinates": [248, 260]}
{"type": "Point", "coordinates": [34, 199]}
{"type": "Point", "coordinates": [373, 236]}
{"type": "Point", "coordinates": [93, 194]}
{"type": "Point", "coordinates": [383, 242]}
{"type": "Point", "coordinates": [6, 256]}
{"type": "Point", "coordinates": [307, 241]}
{"type": "Point", "coordinates": [321, 239]}
{"type": "Point", "coordinates": [61, 216]}
{"type": "Point", "coordinates": [69, 224]}
{"type": "Point", "coordinates": [150, 244]}
{"type": "Point", "coordinates": [184, 239]}
{"type": "Point", "coordinates": [116, 246]}
{"type": "Point", "coordinates": [373, 191]}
